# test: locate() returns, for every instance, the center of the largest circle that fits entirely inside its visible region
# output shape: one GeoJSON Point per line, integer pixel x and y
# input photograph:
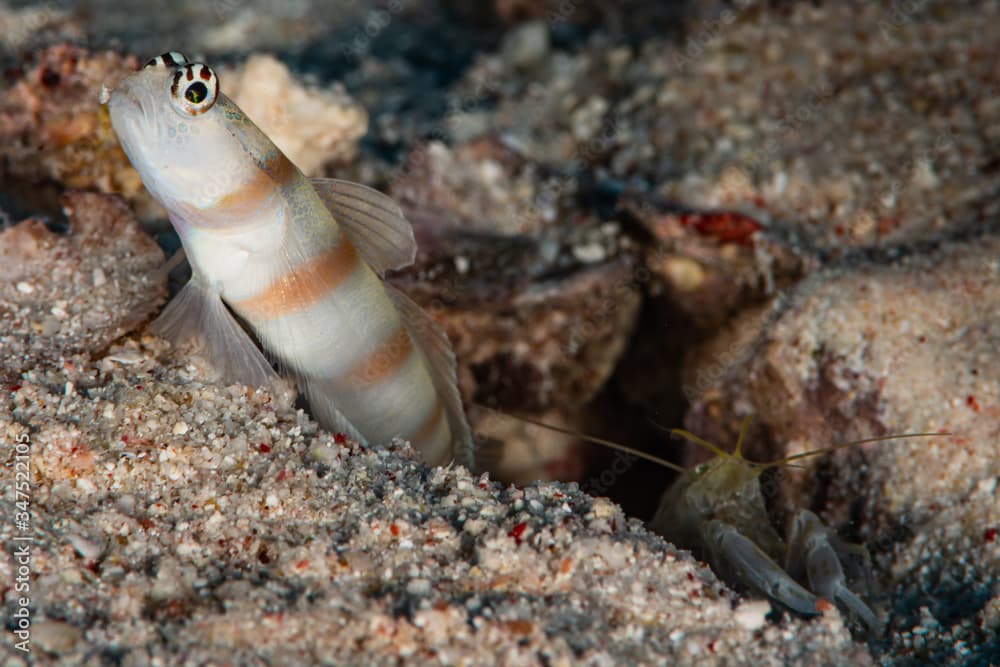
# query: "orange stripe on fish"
{"type": "Point", "coordinates": [251, 195]}
{"type": "Point", "coordinates": [383, 362]}
{"type": "Point", "coordinates": [278, 167]}
{"type": "Point", "coordinates": [303, 285]}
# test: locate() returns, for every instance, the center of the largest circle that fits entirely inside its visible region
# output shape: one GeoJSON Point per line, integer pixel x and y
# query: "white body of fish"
{"type": "Point", "coordinates": [299, 261]}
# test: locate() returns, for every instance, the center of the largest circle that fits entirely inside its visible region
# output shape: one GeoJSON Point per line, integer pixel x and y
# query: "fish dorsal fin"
{"type": "Point", "coordinates": [436, 348]}
{"type": "Point", "coordinates": [374, 223]}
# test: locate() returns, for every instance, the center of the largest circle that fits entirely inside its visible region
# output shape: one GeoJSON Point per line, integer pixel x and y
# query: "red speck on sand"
{"type": "Point", "coordinates": [724, 226]}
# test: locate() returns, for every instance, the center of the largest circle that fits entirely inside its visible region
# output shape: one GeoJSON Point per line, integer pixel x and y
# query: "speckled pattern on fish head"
{"type": "Point", "coordinates": [192, 146]}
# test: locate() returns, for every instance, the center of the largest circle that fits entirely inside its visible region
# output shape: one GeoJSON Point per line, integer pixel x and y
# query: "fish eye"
{"type": "Point", "coordinates": [194, 89]}
{"type": "Point", "coordinates": [196, 92]}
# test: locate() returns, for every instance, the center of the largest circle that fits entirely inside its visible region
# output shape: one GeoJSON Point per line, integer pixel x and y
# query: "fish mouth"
{"type": "Point", "coordinates": [123, 94]}
{"type": "Point", "coordinates": [129, 116]}
{"type": "Point", "coordinates": [129, 96]}
{"type": "Point", "coordinates": [132, 121]}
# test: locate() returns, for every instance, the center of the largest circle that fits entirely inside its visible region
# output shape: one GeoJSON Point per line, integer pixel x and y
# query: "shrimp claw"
{"type": "Point", "coordinates": [814, 551]}
{"type": "Point", "coordinates": [738, 554]}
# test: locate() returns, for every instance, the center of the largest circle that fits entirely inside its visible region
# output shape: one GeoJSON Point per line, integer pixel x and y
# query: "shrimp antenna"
{"type": "Point", "coordinates": [744, 427]}
{"type": "Point", "coordinates": [590, 438]}
{"type": "Point", "coordinates": [786, 461]}
{"type": "Point", "coordinates": [845, 445]}
{"type": "Point", "coordinates": [688, 435]}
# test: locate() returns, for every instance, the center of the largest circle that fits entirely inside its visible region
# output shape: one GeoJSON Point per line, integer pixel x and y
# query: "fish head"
{"type": "Point", "coordinates": [180, 132]}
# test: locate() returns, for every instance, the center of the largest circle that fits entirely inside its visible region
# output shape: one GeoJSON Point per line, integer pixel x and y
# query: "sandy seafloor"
{"type": "Point", "coordinates": [686, 211]}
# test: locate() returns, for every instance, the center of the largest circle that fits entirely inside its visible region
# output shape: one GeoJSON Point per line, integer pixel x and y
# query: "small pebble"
{"type": "Point", "coordinates": [752, 614]}
{"type": "Point", "coordinates": [126, 356]}
{"type": "Point", "coordinates": [87, 549]}
{"type": "Point", "coordinates": [590, 253]}
{"type": "Point", "coordinates": [526, 45]}
{"type": "Point", "coordinates": [418, 587]}
{"type": "Point", "coordinates": [55, 637]}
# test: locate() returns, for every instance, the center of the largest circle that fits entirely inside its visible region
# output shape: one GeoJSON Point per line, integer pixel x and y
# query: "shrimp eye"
{"type": "Point", "coordinates": [194, 89]}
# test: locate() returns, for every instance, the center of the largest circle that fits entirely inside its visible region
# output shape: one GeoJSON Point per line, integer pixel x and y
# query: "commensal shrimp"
{"type": "Point", "coordinates": [300, 263]}
{"type": "Point", "coordinates": [717, 511]}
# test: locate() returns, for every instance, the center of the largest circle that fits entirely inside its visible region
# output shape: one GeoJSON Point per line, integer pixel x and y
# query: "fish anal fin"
{"type": "Point", "coordinates": [198, 316]}
{"type": "Point", "coordinates": [436, 349]}
{"type": "Point", "coordinates": [326, 413]}
{"type": "Point", "coordinates": [372, 221]}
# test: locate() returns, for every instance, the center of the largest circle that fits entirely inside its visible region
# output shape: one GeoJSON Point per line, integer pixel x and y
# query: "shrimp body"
{"type": "Point", "coordinates": [717, 511]}
{"type": "Point", "coordinates": [723, 489]}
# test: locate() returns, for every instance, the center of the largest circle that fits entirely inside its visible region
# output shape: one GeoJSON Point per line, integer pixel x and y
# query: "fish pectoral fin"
{"type": "Point", "coordinates": [373, 221]}
{"type": "Point", "coordinates": [198, 316]}
{"type": "Point", "coordinates": [436, 349]}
